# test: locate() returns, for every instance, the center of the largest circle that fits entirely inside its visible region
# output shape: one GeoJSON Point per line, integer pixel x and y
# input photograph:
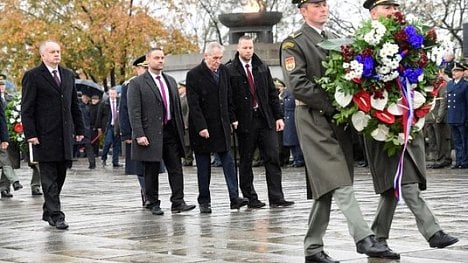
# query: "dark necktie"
{"type": "Point", "coordinates": [164, 98]}
{"type": "Point", "coordinates": [324, 35]}
{"type": "Point", "coordinates": [251, 86]}
{"type": "Point", "coordinates": [56, 78]}
{"type": "Point", "coordinates": [215, 75]}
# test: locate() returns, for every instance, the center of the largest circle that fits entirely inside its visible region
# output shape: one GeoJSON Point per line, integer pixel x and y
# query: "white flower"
{"type": "Point", "coordinates": [380, 134]}
{"type": "Point", "coordinates": [18, 107]}
{"type": "Point", "coordinates": [419, 124]}
{"type": "Point", "coordinates": [342, 98]}
{"type": "Point", "coordinates": [346, 65]}
{"type": "Point", "coordinates": [401, 138]}
{"type": "Point", "coordinates": [360, 120]}
{"type": "Point", "coordinates": [12, 120]}
{"type": "Point", "coordinates": [15, 114]}
{"type": "Point", "coordinates": [20, 138]}
{"type": "Point", "coordinates": [379, 103]}
{"type": "Point", "coordinates": [395, 109]}
{"type": "Point", "coordinates": [418, 99]}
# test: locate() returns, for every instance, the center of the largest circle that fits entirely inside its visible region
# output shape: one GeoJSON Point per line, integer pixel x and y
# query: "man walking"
{"type": "Point", "coordinates": [51, 117]}
{"type": "Point", "coordinates": [258, 111]}
{"type": "Point", "coordinates": [157, 131]}
{"type": "Point", "coordinates": [210, 119]}
{"type": "Point", "coordinates": [327, 147]}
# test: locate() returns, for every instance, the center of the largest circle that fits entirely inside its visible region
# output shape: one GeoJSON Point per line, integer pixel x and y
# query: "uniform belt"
{"type": "Point", "coordinates": [300, 103]}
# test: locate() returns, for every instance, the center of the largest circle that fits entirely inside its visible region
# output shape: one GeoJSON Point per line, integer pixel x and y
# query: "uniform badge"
{"type": "Point", "coordinates": [290, 63]}
{"type": "Point", "coordinates": [287, 45]}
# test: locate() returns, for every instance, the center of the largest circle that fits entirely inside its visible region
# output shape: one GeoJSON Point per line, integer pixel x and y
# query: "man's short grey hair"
{"type": "Point", "coordinates": [43, 45]}
{"type": "Point", "coordinates": [210, 47]}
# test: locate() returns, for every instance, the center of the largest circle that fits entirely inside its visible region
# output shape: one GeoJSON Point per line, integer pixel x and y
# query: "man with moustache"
{"type": "Point", "coordinates": [258, 111]}
{"type": "Point", "coordinates": [326, 147]}
{"type": "Point", "coordinates": [383, 169]}
{"type": "Point", "coordinates": [157, 131]}
{"type": "Point", "coordinates": [51, 117]}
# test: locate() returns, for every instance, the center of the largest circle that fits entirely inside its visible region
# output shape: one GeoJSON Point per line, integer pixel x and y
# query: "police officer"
{"type": "Point", "coordinates": [326, 147]}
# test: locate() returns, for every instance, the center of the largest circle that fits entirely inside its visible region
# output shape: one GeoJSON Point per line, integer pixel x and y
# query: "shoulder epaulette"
{"type": "Point", "coordinates": [295, 34]}
{"type": "Point", "coordinates": [128, 80]}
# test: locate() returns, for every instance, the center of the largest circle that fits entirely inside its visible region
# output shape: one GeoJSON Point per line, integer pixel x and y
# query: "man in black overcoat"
{"type": "Point", "coordinates": [258, 111]}
{"type": "Point", "coordinates": [51, 118]}
{"type": "Point", "coordinates": [210, 119]}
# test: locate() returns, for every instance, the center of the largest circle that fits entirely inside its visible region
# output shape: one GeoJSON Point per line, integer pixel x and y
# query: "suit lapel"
{"type": "Point", "coordinates": [208, 73]}
{"type": "Point", "coordinates": [48, 77]}
{"type": "Point", "coordinates": [150, 82]}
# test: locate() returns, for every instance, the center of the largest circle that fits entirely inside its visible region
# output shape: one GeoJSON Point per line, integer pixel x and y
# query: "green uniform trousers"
{"type": "Point", "coordinates": [425, 219]}
{"type": "Point", "coordinates": [320, 216]}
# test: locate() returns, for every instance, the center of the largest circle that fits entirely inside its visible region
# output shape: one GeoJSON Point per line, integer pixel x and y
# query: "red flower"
{"type": "Point", "coordinates": [362, 100]}
{"type": "Point", "coordinates": [399, 18]}
{"type": "Point", "coordinates": [401, 36]}
{"type": "Point", "coordinates": [18, 127]}
{"type": "Point", "coordinates": [423, 111]}
{"type": "Point", "coordinates": [347, 53]}
{"type": "Point", "coordinates": [385, 116]}
{"type": "Point", "coordinates": [367, 52]}
{"type": "Point", "coordinates": [431, 34]}
{"type": "Point", "coordinates": [422, 59]}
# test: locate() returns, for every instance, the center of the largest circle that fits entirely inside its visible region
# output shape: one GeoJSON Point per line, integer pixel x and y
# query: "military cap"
{"type": "Point", "coordinates": [300, 2]}
{"type": "Point", "coordinates": [2, 79]}
{"type": "Point", "coordinates": [277, 81]}
{"type": "Point", "coordinates": [182, 83]}
{"type": "Point", "coordinates": [369, 4]}
{"type": "Point", "coordinates": [458, 66]}
{"type": "Point", "coordinates": [140, 62]}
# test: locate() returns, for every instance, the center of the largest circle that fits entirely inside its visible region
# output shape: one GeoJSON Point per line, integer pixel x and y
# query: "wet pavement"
{"type": "Point", "coordinates": [108, 223]}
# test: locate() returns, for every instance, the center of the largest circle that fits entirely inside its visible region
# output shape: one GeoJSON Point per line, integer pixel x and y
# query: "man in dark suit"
{"type": "Point", "coordinates": [131, 166]}
{"type": "Point", "coordinates": [51, 117]}
{"type": "Point", "coordinates": [210, 119]}
{"type": "Point", "coordinates": [383, 169]}
{"type": "Point", "coordinates": [258, 111]}
{"type": "Point", "coordinates": [107, 124]}
{"type": "Point", "coordinates": [327, 147]}
{"type": "Point", "coordinates": [158, 131]}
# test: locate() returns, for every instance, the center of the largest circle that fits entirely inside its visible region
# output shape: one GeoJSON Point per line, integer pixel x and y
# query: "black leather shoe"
{"type": "Point", "coordinates": [441, 239]}
{"type": "Point", "coordinates": [281, 203]}
{"type": "Point", "coordinates": [239, 202]}
{"type": "Point", "coordinates": [255, 204]}
{"type": "Point", "coordinates": [389, 254]}
{"type": "Point", "coordinates": [456, 166]}
{"type": "Point", "coordinates": [36, 191]}
{"type": "Point", "coordinates": [182, 208]}
{"type": "Point", "coordinates": [17, 186]}
{"type": "Point", "coordinates": [92, 166]}
{"type": "Point", "coordinates": [49, 220]}
{"type": "Point", "coordinates": [156, 210]}
{"type": "Point", "coordinates": [441, 165]}
{"type": "Point", "coordinates": [116, 165]}
{"type": "Point", "coordinates": [104, 163]}
{"type": "Point", "coordinates": [6, 194]}
{"type": "Point", "coordinates": [320, 257]}
{"type": "Point", "coordinates": [205, 209]}
{"type": "Point", "coordinates": [61, 224]}
{"type": "Point", "coordinates": [371, 247]}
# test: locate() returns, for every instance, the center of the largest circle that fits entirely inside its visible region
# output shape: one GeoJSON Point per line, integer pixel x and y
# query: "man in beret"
{"type": "Point", "coordinates": [383, 169]}
{"type": "Point", "coordinates": [326, 147]}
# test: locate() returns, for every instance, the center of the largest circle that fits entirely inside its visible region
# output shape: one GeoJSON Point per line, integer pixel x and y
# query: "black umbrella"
{"type": "Point", "coordinates": [88, 87]}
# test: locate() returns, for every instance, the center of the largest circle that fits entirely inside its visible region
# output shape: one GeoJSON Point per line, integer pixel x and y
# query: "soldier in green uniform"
{"type": "Point", "coordinates": [383, 169]}
{"type": "Point", "coordinates": [326, 147]}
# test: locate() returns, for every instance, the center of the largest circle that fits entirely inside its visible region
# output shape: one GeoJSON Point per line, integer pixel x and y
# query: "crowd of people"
{"type": "Point", "coordinates": [238, 108]}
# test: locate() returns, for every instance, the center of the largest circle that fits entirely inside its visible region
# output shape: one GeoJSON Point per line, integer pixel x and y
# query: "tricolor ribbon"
{"type": "Point", "coordinates": [407, 121]}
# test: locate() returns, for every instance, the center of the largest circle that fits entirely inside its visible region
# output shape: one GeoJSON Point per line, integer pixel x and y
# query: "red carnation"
{"type": "Point", "coordinates": [367, 52]}
{"type": "Point", "coordinates": [18, 127]}
{"type": "Point", "coordinates": [401, 36]}
{"type": "Point", "coordinates": [432, 34]}
{"type": "Point", "coordinates": [422, 59]}
{"type": "Point", "coordinates": [362, 100]}
{"type": "Point", "coordinates": [385, 116]}
{"type": "Point", "coordinates": [399, 18]}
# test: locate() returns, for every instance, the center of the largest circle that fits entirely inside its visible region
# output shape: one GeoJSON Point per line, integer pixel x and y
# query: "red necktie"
{"type": "Point", "coordinates": [251, 86]}
{"type": "Point", "coordinates": [56, 78]}
{"type": "Point", "coordinates": [164, 98]}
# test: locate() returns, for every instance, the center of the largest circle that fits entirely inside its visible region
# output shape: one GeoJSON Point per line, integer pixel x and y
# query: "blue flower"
{"type": "Point", "coordinates": [415, 39]}
{"type": "Point", "coordinates": [368, 65]}
{"type": "Point", "coordinates": [412, 74]}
